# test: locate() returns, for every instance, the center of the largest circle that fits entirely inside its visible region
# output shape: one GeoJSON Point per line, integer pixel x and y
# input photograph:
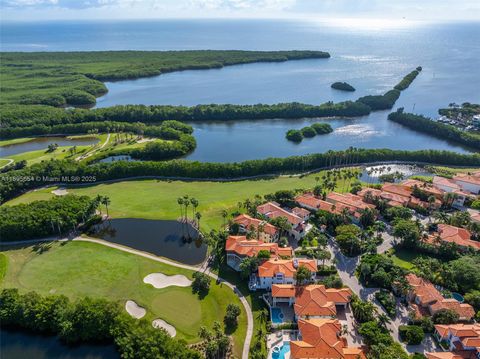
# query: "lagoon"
{"type": "Point", "coordinates": [159, 237]}
{"type": "Point", "coordinates": [371, 57]}
{"type": "Point", "coordinates": [41, 143]}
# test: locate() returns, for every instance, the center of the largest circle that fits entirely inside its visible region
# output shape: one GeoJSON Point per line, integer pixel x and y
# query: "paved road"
{"type": "Point", "coordinates": [346, 269]}
{"type": "Point", "coordinates": [204, 268]}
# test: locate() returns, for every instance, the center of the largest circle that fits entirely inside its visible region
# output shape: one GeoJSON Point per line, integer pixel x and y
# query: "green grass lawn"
{"type": "Point", "coordinates": [404, 258]}
{"type": "Point", "coordinates": [78, 269]}
{"type": "Point", "coordinates": [155, 199]}
{"type": "Point", "coordinates": [60, 153]}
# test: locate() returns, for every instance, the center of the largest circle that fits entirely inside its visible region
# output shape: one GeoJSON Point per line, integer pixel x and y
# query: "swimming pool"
{"type": "Point", "coordinates": [279, 352]}
{"type": "Point", "coordinates": [458, 297]}
{"type": "Point", "coordinates": [277, 315]}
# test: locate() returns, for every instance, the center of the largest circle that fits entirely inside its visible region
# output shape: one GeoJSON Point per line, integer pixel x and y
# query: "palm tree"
{"type": "Point", "coordinates": [383, 320]}
{"type": "Point", "coordinates": [106, 201]}
{"type": "Point", "coordinates": [98, 201]}
{"type": "Point", "coordinates": [224, 215]}
{"type": "Point", "coordinates": [194, 203]}
{"type": "Point", "coordinates": [180, 203]}
{"type": "Point", "coordinates": [198, 216]}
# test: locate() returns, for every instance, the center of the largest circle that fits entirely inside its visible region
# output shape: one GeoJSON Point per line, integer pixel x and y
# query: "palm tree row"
{"type": "Point", "coordinates": [185, 202]}
{"type": "Point", "coordinates": [105, 200]}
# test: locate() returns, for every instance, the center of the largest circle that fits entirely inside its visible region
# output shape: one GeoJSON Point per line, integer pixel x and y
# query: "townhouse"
{"type": "Point", "coordinates": [239, 247]}
{"type": "Point", "coordinates": [451, 234]}
{"type": "Point", "coordinates": [425, 299]}
{"type": "Point", "coordinates": [296, 218]}
{"type": "Point", "coordinates": [463, 341]}
{"type": "Point", "coordinates": [262, 230]}
{"type": "Point", "coordinates": [311, 301]}
{"type": "Point", "coordinates": [468, 182]}
{"type": "Point", "coordinates": [352, 202]}
{"type": "Point", "coordinates": [450, 186]}
{"type": "Point", "coordinates": [321, 338]}
{"type": "Point", "coordinates": [281, 271]}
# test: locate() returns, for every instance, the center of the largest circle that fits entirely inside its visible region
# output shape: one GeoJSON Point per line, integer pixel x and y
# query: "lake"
{"type": "Point", "coordinates": [41, 143]}
{"type": "Point", "coordinates": [162, 238]}
{"type": "Point", "coordinates": [370, 58]}
{"type": "Point", "coordinates": [21, 345]}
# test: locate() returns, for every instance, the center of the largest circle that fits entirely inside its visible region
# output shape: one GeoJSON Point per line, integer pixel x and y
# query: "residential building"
{"type": "Point", "coordinates": [321, 338]}
{"type": "Point", "coordinates": [239, 247]}
{"type": "Point", "coordinates": [450, 186]}
{"type": "Point", "coordinates": [463, 341]}
{"type": "Point", "coordinates": [311, 301]}
{"type": "Point", "coordinates": [281, 271]}
{"type": "Point", "coordinates": [468, 182]}
{"type": "Point", "coordinates": [451, 234]}
{"type": "Point", "coordinates": [312, 203]}
{"type": "Point", "coordinates": [262, 229]}
{"type": "Point", "coordinates": [273, 210]}
{"type": "Point", "coordinates": [425, 299]}
{"type": "Point", "coordinates": [353, 202]}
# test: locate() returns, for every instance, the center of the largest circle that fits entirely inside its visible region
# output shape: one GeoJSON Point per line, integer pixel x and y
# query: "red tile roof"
{"type": "Point", "coordinates": [283, 291]}
{"type": "Point", "coordinates": [446, 182]}
{"type": "Point", "coordinates": [273, 210]}
{"type": "Point", "coordinates": [452, 234]}
{"type": "Point", "coordinates": [247, 222]}
{"type": "Point", "coordinates": [243, 247]}
{"type": "Point", "coordinates": [428, 295]}
{"type": "Point", "coordinates": [285, 266]}
{"type": "Point", "coordinates": [316, 300]}
{"type": "Point", "coordinates": [464, 177]}
{"type": "Point", "coordinates": [321, 339]}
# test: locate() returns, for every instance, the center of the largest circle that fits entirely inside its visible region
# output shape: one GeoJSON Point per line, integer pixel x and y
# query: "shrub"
{"type": "Point", "coordinates": [411, 334]}
{"type": "Point", "coordinates": [201, 283]}
{"type": "Point", "coordinates": [387, 300]}
{"type": "Point", "coordinates": [445, 316]}
{"type": "Point", "coordinates": [231, 317]}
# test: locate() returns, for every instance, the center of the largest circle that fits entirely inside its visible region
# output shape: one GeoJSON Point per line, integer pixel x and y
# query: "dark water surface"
{"type": "Point", "coordinates": [372, 58]}
{"type": "Point", "coordinates": [41, 143]}
{"type": "Point", "coordinates": [21, 345]}
{"type": "Point", "coordinates": [162, 238]}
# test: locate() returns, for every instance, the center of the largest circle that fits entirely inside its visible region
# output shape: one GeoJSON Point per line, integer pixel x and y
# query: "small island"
{"type": "Point", "coordinates": [343, 86]}
{"type": "Point", "coordinates": [309, 131]}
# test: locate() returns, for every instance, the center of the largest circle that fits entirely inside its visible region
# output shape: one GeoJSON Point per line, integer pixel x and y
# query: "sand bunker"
{"type": "Point", "coordinates": [160, 280]}
{"type": "Point", "coordinates": [134, 309]}
{"type": "Point", "coordinates": [60, 191]}
{"type": "Point", "coordinates": [160, 323]}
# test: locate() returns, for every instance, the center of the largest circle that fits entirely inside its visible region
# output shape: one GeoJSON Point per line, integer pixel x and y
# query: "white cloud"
{"type": "Point", "coordinates": [396, 9]}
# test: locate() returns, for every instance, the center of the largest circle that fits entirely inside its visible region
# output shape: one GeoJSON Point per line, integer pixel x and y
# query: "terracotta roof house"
{"type": "Point", "coordinates": [405, 193]}
{"type": "Point", "coordinates": [451, 186]}
{"type": "Point", "coordinates": [281, 271]}
{"type": "Point", "coordinates": [273, 210]}
{"type": "Point", "coordinates": [239, 247]}
{"type": "Point", "coordinates": [312, 301]}
{"type": "Point", "coordinates": [468, 182]}
{"type": "Point", "coordinates": [246, 223]}
{"type": "Point", "coordinates": [427, 300]}
{"type": "Point", "coordinates": [424, 186]}
{"type": "Point", "coordinates": [452, 234]}
{"type": "Point", "coordinates": [320, 338]}
{"type": "Point", "coordinates": [353, 202]}
{"type": "Point", "coordinates": [463, 341]}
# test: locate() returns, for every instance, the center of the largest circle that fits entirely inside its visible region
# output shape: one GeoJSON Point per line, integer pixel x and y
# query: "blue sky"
{"type": "Point", "coordinates": [104, 9]}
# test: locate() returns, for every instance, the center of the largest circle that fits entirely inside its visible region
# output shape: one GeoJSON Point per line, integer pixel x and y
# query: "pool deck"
{"type": "Point", "coordinates": [277, 338]}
